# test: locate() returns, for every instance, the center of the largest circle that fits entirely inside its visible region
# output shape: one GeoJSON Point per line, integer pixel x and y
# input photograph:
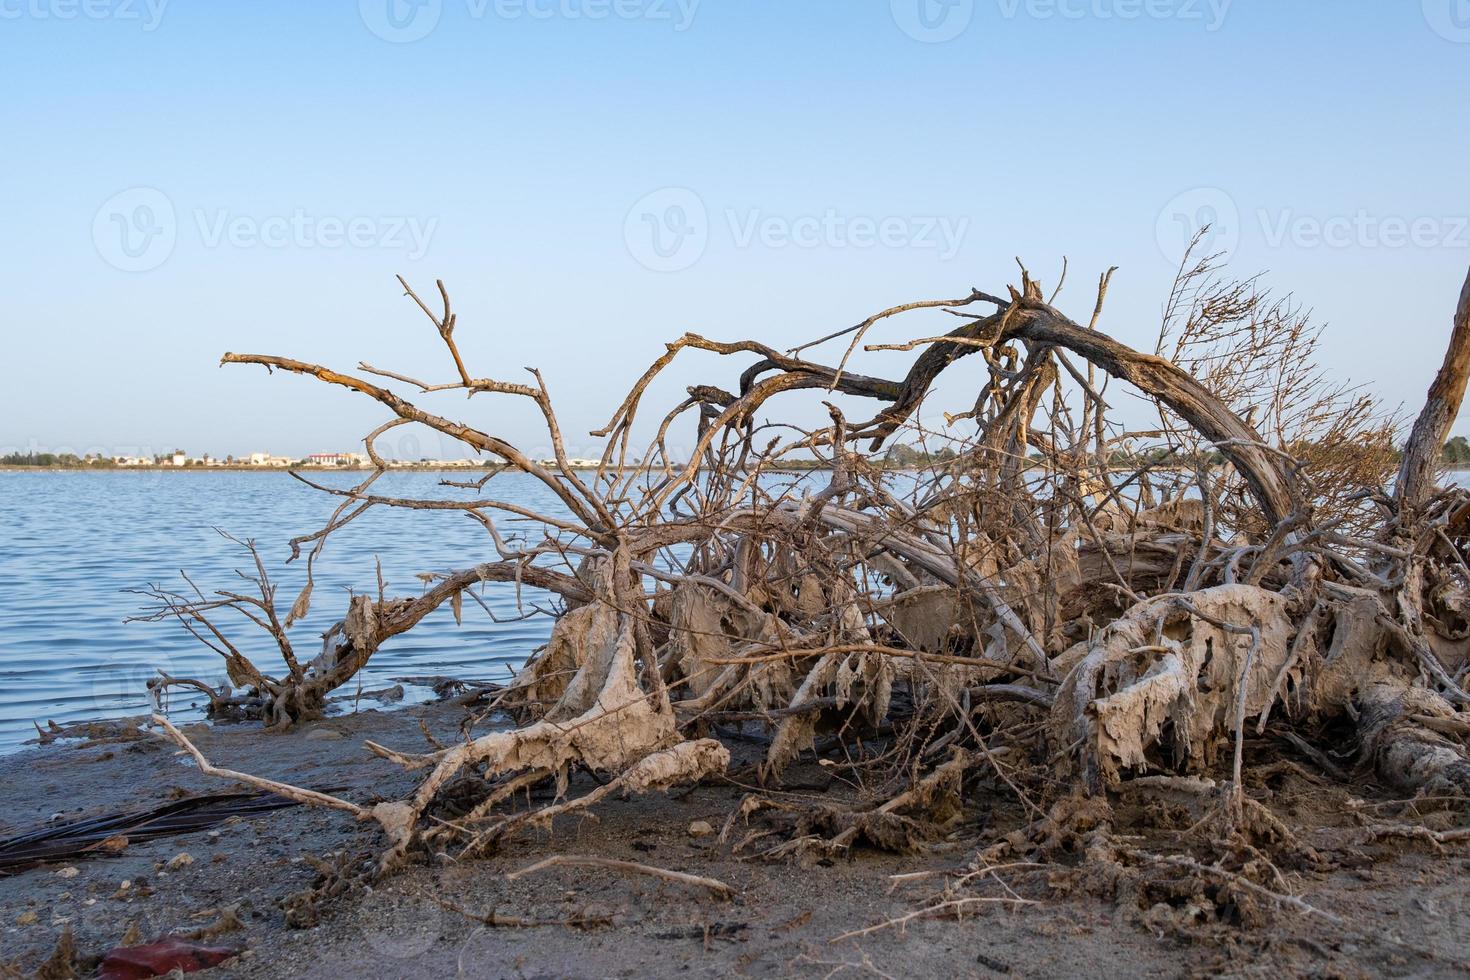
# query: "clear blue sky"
{"type": "Point", "coordinates": [507, 150]}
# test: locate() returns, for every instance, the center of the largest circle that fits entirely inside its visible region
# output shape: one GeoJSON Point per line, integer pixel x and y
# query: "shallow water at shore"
{"type": "Point", "coordinates": [72, 543]}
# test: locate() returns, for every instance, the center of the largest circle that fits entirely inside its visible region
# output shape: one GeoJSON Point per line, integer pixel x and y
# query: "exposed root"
{"type": "Point", "coordinates": [1174, 664]}
{"type": "Point", "coordinates": [1045, 603]}
{"type": "Point", "coordinates": [338, 876]}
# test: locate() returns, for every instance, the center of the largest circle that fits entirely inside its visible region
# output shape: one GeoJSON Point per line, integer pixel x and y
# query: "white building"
{"type": "Point", "coordinates": [575, 462]}
{"type": "Point", "coordinates": [337, 459]}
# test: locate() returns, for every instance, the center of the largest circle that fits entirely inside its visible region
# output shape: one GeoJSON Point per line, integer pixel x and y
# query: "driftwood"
{"type": "Point", "coordinates": [1053, 591]}
{"type": "Point", "coordinates": [714, 886]}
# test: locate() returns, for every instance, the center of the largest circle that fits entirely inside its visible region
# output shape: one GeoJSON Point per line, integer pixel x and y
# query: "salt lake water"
{"type": "Point", "coordinates": [73, 542]}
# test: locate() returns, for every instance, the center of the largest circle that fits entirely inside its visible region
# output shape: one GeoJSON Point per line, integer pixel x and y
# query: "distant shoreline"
{"type": "Point", "coordinates": [252, 469]}
{"type": "Point", "coordinates": [439, 468]}
{"type": "Point", "coordinates": [356, 469]}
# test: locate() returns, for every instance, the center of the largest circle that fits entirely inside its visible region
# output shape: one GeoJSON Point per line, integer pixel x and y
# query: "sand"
{"type": "Point", "coordinates": [1406, 912]}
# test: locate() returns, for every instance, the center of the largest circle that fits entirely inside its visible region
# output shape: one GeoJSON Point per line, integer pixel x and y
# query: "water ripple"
{"type": "Point", "coordinates": [72, 543]}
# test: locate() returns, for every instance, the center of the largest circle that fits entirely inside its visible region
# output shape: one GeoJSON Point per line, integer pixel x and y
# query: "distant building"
{"type": "Point", "coordinates": [336, 459]}
{"type": "Point", "coordinates": [575, 462]}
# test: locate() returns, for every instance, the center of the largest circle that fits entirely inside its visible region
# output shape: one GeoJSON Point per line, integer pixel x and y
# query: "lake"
{"type": "Point", "coordinates": [73, 542]}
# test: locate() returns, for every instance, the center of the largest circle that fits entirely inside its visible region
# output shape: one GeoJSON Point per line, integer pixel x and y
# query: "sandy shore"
{"type": "Point", "coordinates": [1406, 915]}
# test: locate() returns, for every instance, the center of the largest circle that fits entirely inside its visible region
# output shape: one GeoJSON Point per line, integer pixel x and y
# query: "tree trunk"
{"type": "Point", "coordinates": [1426, 443]}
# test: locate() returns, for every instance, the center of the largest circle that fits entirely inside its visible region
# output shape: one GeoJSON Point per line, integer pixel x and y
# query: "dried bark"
{"type": "Point", "coordinates": [1123, 602]}
{"type": "Point", "coordinates": [1421, 464]}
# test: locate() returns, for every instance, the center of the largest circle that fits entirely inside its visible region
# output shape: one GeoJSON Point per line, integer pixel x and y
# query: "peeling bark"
{"type": "Point", "coordinates": [1053, 585]}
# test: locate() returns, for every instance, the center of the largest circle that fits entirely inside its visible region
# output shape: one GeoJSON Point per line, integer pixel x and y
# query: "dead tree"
{"type": "Point", "coordinates": [1107, 602]}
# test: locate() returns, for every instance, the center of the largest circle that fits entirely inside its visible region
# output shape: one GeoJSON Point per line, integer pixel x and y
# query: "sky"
{"type": "Point", "coordinates": [593, 178]}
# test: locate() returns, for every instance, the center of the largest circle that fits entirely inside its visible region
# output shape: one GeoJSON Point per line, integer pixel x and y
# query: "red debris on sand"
{"type": "Point", "coordinates": [158, 958]}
